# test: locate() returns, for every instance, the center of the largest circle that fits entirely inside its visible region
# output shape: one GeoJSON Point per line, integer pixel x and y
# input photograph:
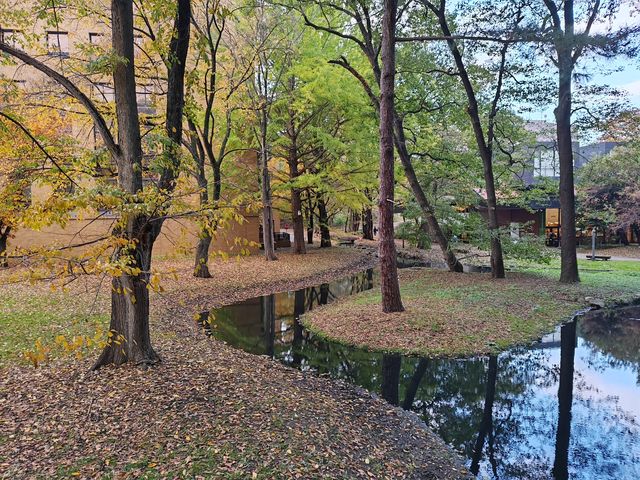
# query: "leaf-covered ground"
{"type": "Point", "coordinates": [455, 315]}
{"type": "Point", "coordinates": [207, 411]}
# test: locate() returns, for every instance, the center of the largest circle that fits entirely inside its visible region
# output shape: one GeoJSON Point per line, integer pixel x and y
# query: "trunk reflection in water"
{"type": "Point", "coordinates": [565, 408]}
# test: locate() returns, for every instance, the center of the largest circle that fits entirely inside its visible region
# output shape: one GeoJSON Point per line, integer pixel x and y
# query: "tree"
{"type": "Point", "coordinates": [24, 160]}
{"type": "Point", "coordinates": [568, 49]}
{"type": "Point", "coordinates": [391, 301]}
{"type": "Point", "coordinates": [359, 24]}
{"type": "Point", "coordinates": [608, 190]}
{"type": "Point", "coordinates": [269, 38]}
{"type": "Point", "coordinates": [140, 217]}
{"type": "Point", "coordinates": [215, 80]}
{"type": "Point", "coordinates": [485, 135]}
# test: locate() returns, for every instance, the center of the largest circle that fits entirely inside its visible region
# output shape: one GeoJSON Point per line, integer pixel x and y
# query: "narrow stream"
{"type": "Point", "coordinates": [567, 407]}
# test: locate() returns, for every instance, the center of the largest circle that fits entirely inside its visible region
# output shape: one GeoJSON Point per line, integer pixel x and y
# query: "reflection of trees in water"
{"type": "Point", "coordinates": [616, 333]}
{"type": "Point", "coordinates": [565, 399]}
{"type": "Point", "coordinates": [511, 432]}
{"type": "Point", "coordinates": [486, 424]}
{"type": "Point", "coordinates": [391, 364]}
{"type": "Point", "coordinates": [268, 303]}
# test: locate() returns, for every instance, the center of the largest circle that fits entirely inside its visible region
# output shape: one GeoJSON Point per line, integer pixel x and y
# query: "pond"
{"type": "Point", "coordinates": [566, 407]}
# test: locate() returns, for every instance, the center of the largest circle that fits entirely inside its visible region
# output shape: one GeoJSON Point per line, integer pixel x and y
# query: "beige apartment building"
{"type": "Point", "coordinates": [62, 48]}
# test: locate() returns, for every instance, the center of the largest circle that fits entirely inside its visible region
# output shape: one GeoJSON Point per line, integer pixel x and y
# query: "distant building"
{"type": "Point", "coordinates": [589, 152]}
{"type": "Point", "coordinates": [543, 162]}
{"type": "Point", "coordinates": [73, 38]}
{"type": "Point", "coordinates": [543, 155]}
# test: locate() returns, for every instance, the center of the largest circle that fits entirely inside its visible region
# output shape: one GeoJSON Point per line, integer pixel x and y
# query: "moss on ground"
{"type": "Point", "coordinates": [454, 315]}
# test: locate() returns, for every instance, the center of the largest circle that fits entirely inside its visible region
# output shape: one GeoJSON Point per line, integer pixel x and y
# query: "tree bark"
{"type": "Point", "coordinates": [129, 339]}
{"type": "Point", "coordinates": [4, 236]}
{"type": "Point", "coordinates": [353, 225]}
{"type": "Point", "coordinates": [201, 267]}
{"type": "Point", "coordinates": [323, 218]}
{"type": "Point", "coordinates": [310, 215]}
{"type": "Point", "coordinates": [389, 286]}
{"type": "Point", "coordinates": [298, 222]}
{"type": "Point", "coordinates": [296, 206]}
{"type": "Point", "coordinates": [265, 189]}
{"type": "Point", "coordinates": [568, 256]}
{"type": "Point", "coordinates": [367, 220]}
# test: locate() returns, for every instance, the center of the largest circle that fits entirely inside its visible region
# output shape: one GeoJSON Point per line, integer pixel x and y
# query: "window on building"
{"type": "Point", "coordinates": [547, 163]}
{"type": "Point", "coordinates": [137, 44]}
{"type": "Point", "coordinates": [96, 38]}
{"type": "Point", "coordinates": [10, 36]}
{"type": "Point", "coordinates": [58, 43]}
{"type": "Point", "coordinates": [144, 94]}
{"type": "Point", "coordinates": [105, 92]}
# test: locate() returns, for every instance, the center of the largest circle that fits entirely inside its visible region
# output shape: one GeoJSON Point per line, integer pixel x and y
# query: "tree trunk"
{"type": "Point", "coordinates": [497, 258]}
{"type": "Point", "coordinates": [310, 215]}
{"type": "Point", "coordinates": [129, 339]}
{"type": "Point", "coordinates": [298, 222]}
{"type": "Point", "coordinates": [568, 256]}
{"type": "Point", "coordinates": [201, 268]}
{"type": "Point", "coordinates": [265, 189]}
{"type": "Point", "coordinates": [367, 221]}
{"type": "Point", "coordinates": [565, 400]}
{"type": "Point", "coordinates": [485, 150]}
{"type": "Point", "coordinates": [391, 364]}
{"type": "Point", "coordinates": [129, 327]}
{"type": "Point", "coordinates": [367, 224]}
{"type": "Point", "coordinates": [353, 224]}
{"type": "Point", "coordinates": [433, 226]}
{"type": "Point", "coordinates": [175, 62]}
{"type": "Point", "coordinates": [323, 218]}
{"type": "Point", "coordinates": [389, 286]}
{"type": "Point", "coordinates": [4, 236]}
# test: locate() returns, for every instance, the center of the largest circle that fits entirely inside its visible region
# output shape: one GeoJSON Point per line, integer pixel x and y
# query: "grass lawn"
{"type": "Point", "coordinates": [456, 315]}
{"type": "Point", "coordinates": [26, 318]}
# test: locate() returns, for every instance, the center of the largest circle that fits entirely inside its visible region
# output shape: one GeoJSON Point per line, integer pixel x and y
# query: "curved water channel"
{"type": "Point", "coordinates": [567, 407]}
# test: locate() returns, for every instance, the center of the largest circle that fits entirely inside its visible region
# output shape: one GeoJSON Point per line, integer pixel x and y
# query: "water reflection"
{"type": "Point", "coordinates": [566, 408]}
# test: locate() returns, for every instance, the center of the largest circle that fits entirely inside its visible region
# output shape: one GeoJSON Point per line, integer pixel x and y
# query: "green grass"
{"type": "Point", "coordinates": [41, 316]}
{"type": "Point", "coordinates": [615, 281]}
